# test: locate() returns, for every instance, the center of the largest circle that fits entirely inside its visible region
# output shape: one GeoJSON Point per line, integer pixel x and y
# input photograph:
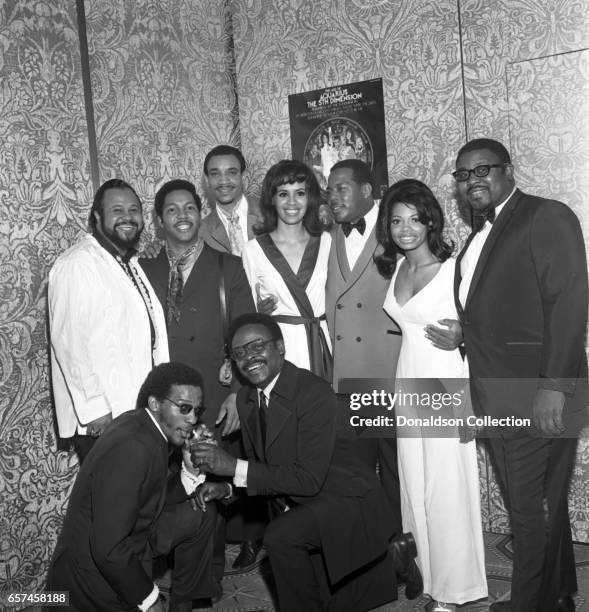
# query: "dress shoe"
{"type": "Point", "coordinates": [566, 604]}
{"type": "Point", "coordinates": [404, 551]}
{"type": "Point", "coordinates": [247, 555]}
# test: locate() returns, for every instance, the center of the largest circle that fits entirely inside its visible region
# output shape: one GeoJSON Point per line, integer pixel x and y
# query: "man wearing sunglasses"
{"type": "Point", "coordinates": [521, 293]}
{"type": "Point", "coordinates": [328, 540]}
{"type": "Point", "coordinates": [124, 508]}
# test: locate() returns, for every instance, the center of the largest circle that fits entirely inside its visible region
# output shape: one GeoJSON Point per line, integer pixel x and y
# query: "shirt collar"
{"type": "Point", "coordinates": [501, 206]}
{"type": "Point", "coordinates": [108, 246]}
{"type": "Point", "coordinates": [240, 209]}
{"type": "Point", "coordinates": [156, 423]}
{"type": "Point", "coordinates": [269, 387]}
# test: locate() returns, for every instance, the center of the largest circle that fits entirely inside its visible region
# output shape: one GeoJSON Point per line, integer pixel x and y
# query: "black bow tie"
{"type": "Point", "coordinates": [478, 219]}
{"type": "Point", "coordinates": [360, 225]}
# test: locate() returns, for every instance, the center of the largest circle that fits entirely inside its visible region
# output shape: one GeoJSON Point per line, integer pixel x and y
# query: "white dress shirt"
{"type": "Point", "coordinates": [471, 257]}
{"type": "Point", "coordinates": [356, 241]}
{"type": "Point", "coordinates": [242, 210]}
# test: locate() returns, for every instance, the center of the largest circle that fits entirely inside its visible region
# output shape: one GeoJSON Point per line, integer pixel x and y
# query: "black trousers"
{"type": "Point", "coordinates": [293, 544]}
{"type": "Point", "coordinates": [534, 476]}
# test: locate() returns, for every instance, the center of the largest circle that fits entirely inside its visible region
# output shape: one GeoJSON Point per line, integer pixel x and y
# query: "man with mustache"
{"type": "Point", "coordinates": [187, 276]}
{"type": "Point", "coordinates": [125, 509]}
{"type": "Point", "coordinates": [521, 294]}
{"type": "Point", "coordinates": [328, 540]}
{"type": "Point", "coordinates": [107, 327]}
{"type": "Point", "coordinates": [229, 224]}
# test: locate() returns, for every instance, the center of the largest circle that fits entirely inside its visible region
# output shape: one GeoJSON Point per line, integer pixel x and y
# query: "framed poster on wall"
{"type": "Point", "coordinates": [341, 122]}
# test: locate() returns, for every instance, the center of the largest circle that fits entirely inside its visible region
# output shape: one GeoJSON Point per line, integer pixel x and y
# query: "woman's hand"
{"type": "Point", "coordinates": [445, 339]}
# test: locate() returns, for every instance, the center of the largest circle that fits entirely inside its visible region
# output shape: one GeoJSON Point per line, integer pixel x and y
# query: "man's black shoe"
{"type": "Point", "coordinates": [566, 604]}
{"type": "Point", "coordinates": [404, 551]}
{"type": "Point", "coordinates": [247, 555]}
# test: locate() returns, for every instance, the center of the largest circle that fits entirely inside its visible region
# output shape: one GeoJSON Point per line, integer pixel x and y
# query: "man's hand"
{"type": "Point", "coordinates": [229, 412]}
{"type": "Point", "coordinates": [208, 491]}
{"type": "Point", "coordinates": [265, 305]}
{"type": "Point", "coordinates": [187, 459]}
{"type": "Point", "coordinates": [445, 339]}
{"type": "Point", "coordinates": [548, 405]}
{"type": "Point", "coordinates": [97, 426]}
{"type": "Point", "coordinates": [209, 458]}
{"type": "Point", "coordinates": [151, 250]}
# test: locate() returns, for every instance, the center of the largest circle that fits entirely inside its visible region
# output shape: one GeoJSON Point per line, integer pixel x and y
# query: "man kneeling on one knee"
{"type": "Point", "coordinates": [328, 543]}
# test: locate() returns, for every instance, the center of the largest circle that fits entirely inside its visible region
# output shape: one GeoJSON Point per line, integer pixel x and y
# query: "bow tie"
{"type": "Point", "coordinates": [360, 225]}
{"type": "Point", "coordinates": [478, 219]}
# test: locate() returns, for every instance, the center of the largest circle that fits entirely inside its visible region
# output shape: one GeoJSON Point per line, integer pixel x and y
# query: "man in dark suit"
{"type": "Point", "coordinates": [330, 509]}
{"type": "Point", "coordinates": [119, 515]}
{"type": "Point", "coordinates": [230, 223]}
{"type": "Point", "coordinates": [186, 277]}
{"type": "Point", "coordinates": [521, 293]}
{"type": "Point", "coordinates": [202, 291]}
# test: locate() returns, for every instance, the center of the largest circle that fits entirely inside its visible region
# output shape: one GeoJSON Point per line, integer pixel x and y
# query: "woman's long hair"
{"type": "Point", "coordinates": [288, 171]}
{"type": "Point", "coordinates": [417, 194]}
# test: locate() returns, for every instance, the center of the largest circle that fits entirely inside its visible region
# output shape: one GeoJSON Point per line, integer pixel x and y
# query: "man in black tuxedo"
{"type": "Point", "coordinates": [328, 541]}
{"type": "Point", "coordinates": [119, 514]}
{"type": "Point", "coordinates": [521, 293]}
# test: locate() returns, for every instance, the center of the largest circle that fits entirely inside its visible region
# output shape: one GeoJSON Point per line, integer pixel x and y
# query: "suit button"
{"type": "Point", "coordinates": [359, 305]}
{"type": "Point", "coordinates": [339, 306]}
{"type": "Point", "coordinates": [358, 339]}
{"type": "Point", "coordinates": [338, 337]}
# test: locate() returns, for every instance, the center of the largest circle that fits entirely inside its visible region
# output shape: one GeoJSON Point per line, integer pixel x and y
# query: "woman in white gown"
{"type": "Point", "coordinates": [439, 481]}
{"type": "Point", "coordinates": [286, 264]}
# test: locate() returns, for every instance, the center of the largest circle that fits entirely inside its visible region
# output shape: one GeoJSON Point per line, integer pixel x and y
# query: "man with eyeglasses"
{"type": "Point", "coordinates": [521, 293]}
{"type": "Point", "coordinates": [328, 540]}
{"type": "Point", "coordinates": [124, 509]}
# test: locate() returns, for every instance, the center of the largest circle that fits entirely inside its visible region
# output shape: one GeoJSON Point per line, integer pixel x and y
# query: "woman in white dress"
{"type": "Point", "coordinates": [439, 481]}
{"type": "Point", "coordinates": [286, 264]}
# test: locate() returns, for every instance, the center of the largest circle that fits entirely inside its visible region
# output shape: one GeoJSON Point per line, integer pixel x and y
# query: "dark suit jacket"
{"type": "Point", "coordinates": [213, 232]}
{"type": "Point", "coordinates": [525, 316]}
{"type": "Point", "coordinates": [366, 341]}
{"type": "Point", "coordinates": [306, 461]}
{"type": "Point", "coordinates": [197, 340]}
{"type": "Point", "coordinates": [103, 557]}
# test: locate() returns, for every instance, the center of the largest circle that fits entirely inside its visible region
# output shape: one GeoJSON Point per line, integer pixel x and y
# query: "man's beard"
{"type": "Point", "coordinates": [120, 241]}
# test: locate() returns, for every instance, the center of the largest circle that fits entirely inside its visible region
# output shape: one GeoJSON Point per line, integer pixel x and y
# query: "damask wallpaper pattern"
{"type": "Point", "coordinates": [172, 78]}
{"type": "Point", "coordinates": [44, 191]}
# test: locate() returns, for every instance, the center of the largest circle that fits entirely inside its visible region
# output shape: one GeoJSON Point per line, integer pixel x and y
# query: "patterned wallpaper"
{"type": "Point", "coordinates": [171, 78]}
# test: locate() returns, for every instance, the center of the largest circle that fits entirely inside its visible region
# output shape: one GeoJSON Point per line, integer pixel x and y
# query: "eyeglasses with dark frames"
{"type": "Point", "coordinates": [479, 171]}
{"type": "Point", "coordinates": [186, 408]}
{"type": "Point", "coordinates": [255, 347]}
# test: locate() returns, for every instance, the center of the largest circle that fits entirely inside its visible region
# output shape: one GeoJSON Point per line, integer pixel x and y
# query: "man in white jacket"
{"type": "Point", "coordinates": [107, 326]}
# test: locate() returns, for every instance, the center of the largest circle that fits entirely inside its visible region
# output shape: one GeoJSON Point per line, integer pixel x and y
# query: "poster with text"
{"type": "Point", "coordinates": [341, 122]}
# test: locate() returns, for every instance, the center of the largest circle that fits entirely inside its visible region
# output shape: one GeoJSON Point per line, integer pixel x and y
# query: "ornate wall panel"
{"type": "Point", "coordinates": [163, 87]}
{"type": "Point", "coordinates": [44, 190]}
{"type": "Point", "coordinates": [503, 31]}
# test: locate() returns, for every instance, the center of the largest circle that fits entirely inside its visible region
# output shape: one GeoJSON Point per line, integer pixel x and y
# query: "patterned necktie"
{"type": "Point", "coordinates": [360, 225]}
{"type": "Point", "coordinates": [174, 297]}
{"type": "Point", "coordinates": [235, 235]}
{"type": "Point", "coordinates": [478, 220]}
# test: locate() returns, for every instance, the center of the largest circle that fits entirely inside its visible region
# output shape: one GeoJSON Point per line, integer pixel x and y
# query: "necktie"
{"type": "Point", "coordinates": [263, 413]}
{"type": "Point", "coordinates": [478, 220]}
{"type": "Point", "coordinates": [235, 235]}
{"type": "Point", "coordinates": [360, 225]}
{"type": "Point", "coordinates": [174, 297]}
